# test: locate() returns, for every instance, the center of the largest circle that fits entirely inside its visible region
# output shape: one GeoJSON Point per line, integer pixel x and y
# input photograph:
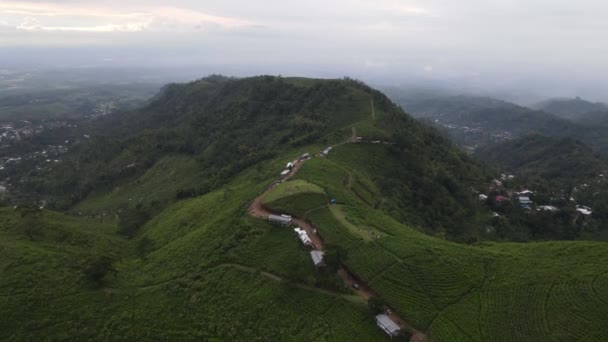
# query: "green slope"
{"type": "Point", "coordinates": [487, 292]}
{"type": "Point", "coordinates": [209, 272]}
{"type": "Point", "coordinates": [202, 269]}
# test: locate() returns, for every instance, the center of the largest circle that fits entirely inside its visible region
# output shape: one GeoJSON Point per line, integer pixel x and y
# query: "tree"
{"type": "Point", "coordinates": [333, 257]}
{"type": "Point", "coordinates": [144, 246]}
{"type": "Point", "coordinates": [130, 220]}
{"type": "Point", "coordinates": [97, 269]}
{"type": "Point", "coordinates": [376, 305]}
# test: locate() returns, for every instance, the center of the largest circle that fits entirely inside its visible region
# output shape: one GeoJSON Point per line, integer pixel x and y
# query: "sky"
{"type": "Point", "coordinates": [546, 46]}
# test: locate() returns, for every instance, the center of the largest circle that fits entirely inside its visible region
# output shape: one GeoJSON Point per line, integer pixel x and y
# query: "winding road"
{"type": "Point", "coordinates": [257, 210]}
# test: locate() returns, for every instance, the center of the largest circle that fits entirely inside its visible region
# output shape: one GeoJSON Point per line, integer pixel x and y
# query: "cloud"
{"type": "Point", "coordinates": [48, 16]}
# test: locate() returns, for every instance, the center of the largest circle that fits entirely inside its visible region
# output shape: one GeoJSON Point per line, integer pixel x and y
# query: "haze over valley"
{"type": "Point", "coordinates": [344, 171]}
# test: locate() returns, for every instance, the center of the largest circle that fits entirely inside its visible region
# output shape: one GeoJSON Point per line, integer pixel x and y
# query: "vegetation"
{"type": "Point", "coordinates": [563, 173]}
{"type": "Point", "coordinates": [573, 109]}
{"type": "Point", "coordinates": [156, 241]}
{"type": "Point", "coordinates": [456, 292]}
{"type": "Point", "coordinates": [61, 104]}
{"type": "Point", "coordinates": [473, 121]}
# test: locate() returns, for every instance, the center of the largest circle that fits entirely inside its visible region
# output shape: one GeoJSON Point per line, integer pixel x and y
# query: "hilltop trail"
{"type": "Point", "coordinates": [257, 210]}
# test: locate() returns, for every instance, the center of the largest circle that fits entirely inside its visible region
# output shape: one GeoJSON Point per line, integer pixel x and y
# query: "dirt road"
{"type": "Point", "coordinates": [257, 209]}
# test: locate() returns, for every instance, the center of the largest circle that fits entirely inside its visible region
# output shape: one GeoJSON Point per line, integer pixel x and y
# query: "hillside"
{"type": "Point", "coordinates": [475, 121]}
{"type": "Point", "coordinates": [553, 159]}
{"type": "Point", "coordinates": [563, 173]}
{"type": "Point", "coordinates": [192, 138]}
{"type": "Point", "coordinates": [573, 109]}
{"type": "Point", "coordinates": [159, 238]}
{"type": "Point", "coordinates": [485, 292]}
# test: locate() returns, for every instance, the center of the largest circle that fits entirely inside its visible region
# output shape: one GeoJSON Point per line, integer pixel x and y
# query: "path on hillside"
{"type": "Point", "coordinates": [275, 277]}
{"type": "Point", "coordinates": [257, 210]}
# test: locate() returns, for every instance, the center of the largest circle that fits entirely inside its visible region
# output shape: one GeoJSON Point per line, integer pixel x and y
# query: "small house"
{"type": "Point", "coordinates": [305, 156]}
{"type": "Point", "coordinates": [289, 165]}
{"type": "Point", "coordinates": [526, 193]}
{"type": "Point", "coordinates": [317, 258]}
{"type": "Point", "coordinates": [303, 236]}
{"type": "Point", "coordinates": [285, 173]}
{"type": "Point", "coordinates": [388, 325]}
{"type": "Point", "coordinates": [525, 200]}
{"type": "Point", "coordinates": [584, 210]}
{"type": "Point", "coordinates": [279, 220]}
{"type": "Point", "coordinates": [548, 208]}
{"type": "Point", "coordinates": [483, 197]}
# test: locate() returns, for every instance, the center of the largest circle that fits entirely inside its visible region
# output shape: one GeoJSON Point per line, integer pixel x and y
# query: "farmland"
{"type": "Point", "coordinates": [196, 265]}
{"type": "Point", "coordinates": [457, 292]}
{"type": "Point", "coordinates": [191, 281]}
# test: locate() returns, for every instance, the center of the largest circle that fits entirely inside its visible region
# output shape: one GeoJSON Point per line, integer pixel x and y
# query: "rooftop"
{"type": "Point", "coordinates": [317, 257]}
{"type": "Point", "coordinates": [278, 218]}
{"type": "Point", "coordinates": [387, 324]}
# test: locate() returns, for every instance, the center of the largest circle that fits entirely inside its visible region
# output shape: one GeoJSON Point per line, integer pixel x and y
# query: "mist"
{"type": "Point", "coordinates": [515, 50]}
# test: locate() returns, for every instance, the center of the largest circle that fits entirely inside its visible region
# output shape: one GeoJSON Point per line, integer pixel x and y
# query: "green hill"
{"type": "Point", "coordinates": [486, 292]}
{"type": "Point", "coordinates": [477, 121]}
{"type": "Point", "coordinates": [551, 159]}
{"type": "Point", "coordinates": [156, 241]}
{"type": "Point", "coordinates": [574, 109]}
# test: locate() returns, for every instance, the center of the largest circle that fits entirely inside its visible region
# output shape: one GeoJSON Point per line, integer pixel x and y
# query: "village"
{"type": "Point", "coordinates": [41, 157]}
{"type": "Point", "coordinates": [504, 194]}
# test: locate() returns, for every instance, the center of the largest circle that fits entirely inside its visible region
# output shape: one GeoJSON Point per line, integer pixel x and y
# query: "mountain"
{"type": "Point", "coordinates": [192, 138]}
{"type": "Point", "coordinates": [473, 121]}
{"type": "Point", "coordinates": [163, 230]}
{"type": "Point", "coordinates": [574, 109]}
{"type": "Point", "coordinates": [556, 159]}
{"type": "Point", "coordinates": [562, 172]}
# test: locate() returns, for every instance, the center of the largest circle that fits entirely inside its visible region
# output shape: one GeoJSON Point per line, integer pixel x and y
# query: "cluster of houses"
{"type": "Point", "coordinates": [525, 201]}
{"type": "Point", "coordinates": [383, 321]}
{"type": "Point", "coordinates": [287, 221]}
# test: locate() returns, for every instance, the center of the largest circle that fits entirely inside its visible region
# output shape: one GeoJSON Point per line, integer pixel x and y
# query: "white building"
{"type": "Point", "coordinates": [303, 236]}
{"type": "Point", "coordinates": [317, 258]}
{"type": "Point", "coordinates": [387, 325]}
{"type": "Point", "coordinates": [280, 220]}
{"type": "Point", "coordinates": [548, 208]}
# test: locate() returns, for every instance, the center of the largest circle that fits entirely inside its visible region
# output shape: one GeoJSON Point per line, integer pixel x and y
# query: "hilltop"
{"type": "Point", "coordinates": [553, 159]}
{"type": "Point", "coordinates": [476, 121]}
{"type": "Point", "coordinates": [156, 238]}
{"type": "Point", "coordinates": [574, 109]}
{"type": "Point", "coordinates": [194, 137]}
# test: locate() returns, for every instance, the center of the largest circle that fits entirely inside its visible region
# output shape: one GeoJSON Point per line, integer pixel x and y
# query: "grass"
{"type": "Point", "coordinates": [296, 197]}
{"type": "Point", "coordinates": [209, 272]}
{"type": "Point", "coordinates": [157, 187]}
{"type": "Point", "coordinates": [291, 188]}
{"type": "Point", "coordinates": [366, 233]}
{"type": "Point", "coordinates": [212, 270]}
{"type": "Point", "coordinates": [506, 292]}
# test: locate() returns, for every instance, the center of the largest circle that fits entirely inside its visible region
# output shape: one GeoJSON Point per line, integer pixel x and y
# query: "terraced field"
{"type": "Point", "coordinates": [488, 292]}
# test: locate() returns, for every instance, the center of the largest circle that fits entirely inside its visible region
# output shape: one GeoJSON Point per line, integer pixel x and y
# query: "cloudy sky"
{"type": "Point", "coordinates": [478, 42]}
